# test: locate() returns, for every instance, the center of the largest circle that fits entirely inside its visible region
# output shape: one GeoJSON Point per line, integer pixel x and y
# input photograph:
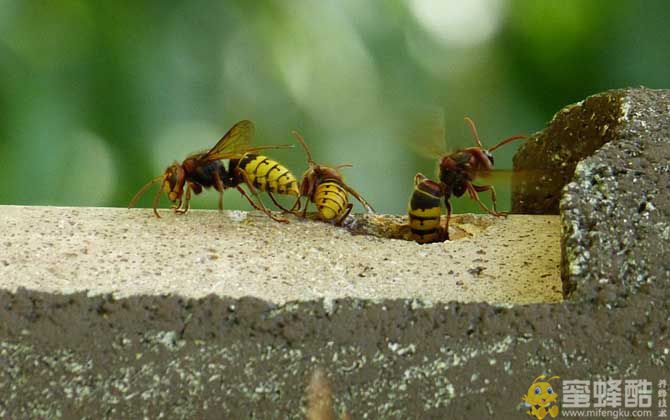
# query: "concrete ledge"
{"type": "Point", "coordinates": [388, 354]}
{"type": "Point", "coordinates": [238, 254]}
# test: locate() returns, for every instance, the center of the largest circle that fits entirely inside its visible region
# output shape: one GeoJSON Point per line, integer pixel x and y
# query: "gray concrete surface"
{"type": "Point", "coordinates": [237, 254]}
{"type": "Point", "coordinates": [82, 357]}
{"type": "Point", "coordinates": [616, 211]}
{"type": "Point", "coordinates": [546, 162]}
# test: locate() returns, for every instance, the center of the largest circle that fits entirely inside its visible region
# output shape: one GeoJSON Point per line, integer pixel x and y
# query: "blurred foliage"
{"type": "Point", "coordinates": [98, 97]}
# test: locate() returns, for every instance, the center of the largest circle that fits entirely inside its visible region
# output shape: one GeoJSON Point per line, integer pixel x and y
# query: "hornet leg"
{"type": "Point", "coordinates": [339, 221]}
{"type": "Point", "coordinates": [482, 188]}
{"type": "Point", "coordinates": [187, 202]}
{"type": "Point", "coordinates": [472, 190]}
{"type": "Point", "coordinates": [274, 200]}
{"type": "Point", "coordinates": [304, 210]}
{"type": "Point", "coordinates": [445, 232]}
{"type": "Point", "coordinates": [296, 206]}
{"type": "Point", "coordinates": [244, 193]}
{"type": "Point", "coordinates": [255, 193]}
{"type": "Point", "coordinates": [220, 188]}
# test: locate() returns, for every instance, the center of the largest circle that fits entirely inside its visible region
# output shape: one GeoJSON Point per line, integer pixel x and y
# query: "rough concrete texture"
{"type": "Point", "coordinates": [76, 356]}
{"type": "Point", "coordinates": [616, 212]}
{"type": "Point", "coordinates": [546, 162]}
{"type": "Point", "coordinates": [83, 356]}
{"type": "Point", "coordinates": [237, 254]}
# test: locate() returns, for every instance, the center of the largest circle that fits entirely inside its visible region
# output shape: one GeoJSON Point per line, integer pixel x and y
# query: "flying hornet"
{"type": "Point", "coordinates": [207, 170]}
{"type": "Point", "coordinates": [325, 187]}
{"type": "Point", "coordinates": [456, 172]}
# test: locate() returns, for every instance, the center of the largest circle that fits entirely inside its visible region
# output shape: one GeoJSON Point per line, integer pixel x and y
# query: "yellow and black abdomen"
{"type": "Point", "coordinates": [330, 199]}
{"type": "Point", "coordinates": [269, 175]}
{"type": "Point", "coordinates": [424, 211]}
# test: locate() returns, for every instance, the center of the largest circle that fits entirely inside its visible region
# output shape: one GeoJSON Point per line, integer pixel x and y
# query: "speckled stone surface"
{"type": "Point", "coordinates": [100, 356]}
{"type": "Point", "coordinates": [97, 357]}
{"type": "Point", "coordinates": [616, 212]}
{"type": "Point", "coordinates": [546, 162]}
{"type": "Point", "coordinates": [237, 254]}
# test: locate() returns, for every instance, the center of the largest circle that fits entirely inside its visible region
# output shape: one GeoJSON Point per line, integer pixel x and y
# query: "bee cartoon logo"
{"type": "Point", "coordinates": [541, 398]}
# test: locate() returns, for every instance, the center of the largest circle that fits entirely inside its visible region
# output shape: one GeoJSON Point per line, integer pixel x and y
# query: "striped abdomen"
{"type": "Point", "coordinates": [269, 175]}
{"type": "Point", "coordinates": [330, 199]}
{"type": "Point", "coordinates": [424, 211]}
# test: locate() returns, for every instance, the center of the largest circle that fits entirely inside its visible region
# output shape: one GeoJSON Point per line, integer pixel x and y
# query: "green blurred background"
{"type": "Point", "coordinates": [97, 97]}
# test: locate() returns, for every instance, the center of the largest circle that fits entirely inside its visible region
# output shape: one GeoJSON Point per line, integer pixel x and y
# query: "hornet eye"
{"type": "Point", "coordinates": [538, 391]}
{"type": "Point", "coordinates": [550, 391]}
